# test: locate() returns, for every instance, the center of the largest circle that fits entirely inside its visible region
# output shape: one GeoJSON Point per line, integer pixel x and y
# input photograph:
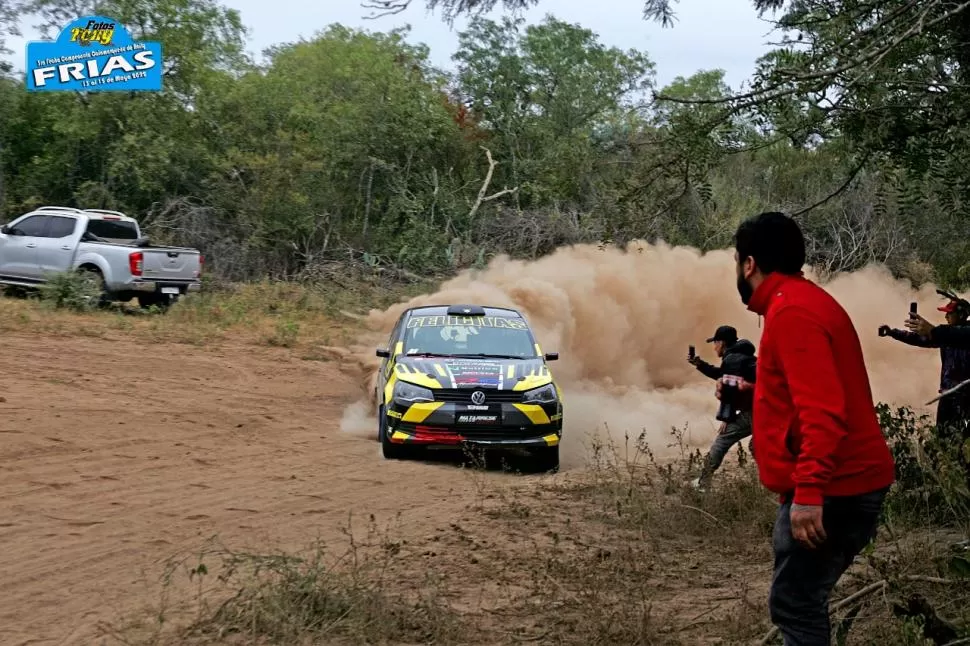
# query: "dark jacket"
{"type": "Point", "coordinates": [951, 336]}
{"type": "Point", "coordinates": [954, 359]}
{"type": "Point", "coordinates": [739, 360]}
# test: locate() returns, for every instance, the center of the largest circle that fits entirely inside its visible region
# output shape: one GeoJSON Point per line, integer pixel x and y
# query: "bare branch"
{"type": "Point", "coordinates": [848, 182]}
{"type": "Point", "coordinates": [382, 8]}
{"type": "Point", "coordinates": [488, 180]}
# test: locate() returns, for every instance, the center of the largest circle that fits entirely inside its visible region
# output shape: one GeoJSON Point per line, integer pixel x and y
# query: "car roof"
{"type": "Point", "coordinates": [454, 310]}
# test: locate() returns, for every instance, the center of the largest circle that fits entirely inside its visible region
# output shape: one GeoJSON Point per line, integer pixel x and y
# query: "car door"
{"type": "Point", "coordinates": [18, 247]}
{"type": "Point", "coordinates": [55, 251]}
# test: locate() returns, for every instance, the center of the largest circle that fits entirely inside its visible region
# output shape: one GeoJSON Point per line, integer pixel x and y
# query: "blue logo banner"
{"type": "Point", "coordinates": [94, 54]}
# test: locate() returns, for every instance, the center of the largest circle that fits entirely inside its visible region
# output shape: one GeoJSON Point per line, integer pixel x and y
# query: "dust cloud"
{"type": "Point", "coordinates": [622, 321]}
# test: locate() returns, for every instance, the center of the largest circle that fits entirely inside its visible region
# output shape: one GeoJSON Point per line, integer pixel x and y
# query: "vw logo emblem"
{"type": "Point", "coordinates": [478, 397]}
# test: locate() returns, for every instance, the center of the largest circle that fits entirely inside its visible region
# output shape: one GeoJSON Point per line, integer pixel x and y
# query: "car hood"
{"type": "Point", "coordinates": [502, 374]}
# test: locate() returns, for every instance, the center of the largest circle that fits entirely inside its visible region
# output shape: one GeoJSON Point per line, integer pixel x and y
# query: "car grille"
{"type": "Point", "coordinates": [464, 395]}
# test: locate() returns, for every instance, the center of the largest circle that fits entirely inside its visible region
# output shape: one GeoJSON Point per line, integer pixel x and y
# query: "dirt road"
{"type": "Point", "coordinates": [115, 455]}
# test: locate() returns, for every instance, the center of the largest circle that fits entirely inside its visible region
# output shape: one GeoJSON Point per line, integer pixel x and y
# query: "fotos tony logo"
{"type": "Point", "coordinates": [94, 54]}
{"type": "Point", "coordinates": [100, 32]}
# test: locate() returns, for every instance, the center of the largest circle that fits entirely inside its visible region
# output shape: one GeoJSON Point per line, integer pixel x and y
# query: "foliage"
{"type": "Point", "coordinates": [76, 291]}
{"type": "Point", "coordinates": [350, 146]}
{"type": "Point", "coordinates": [931, 479]}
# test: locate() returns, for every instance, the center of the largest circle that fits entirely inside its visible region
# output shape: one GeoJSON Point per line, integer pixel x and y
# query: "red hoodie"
{"type": "Point", "coordinates": [815, 426]}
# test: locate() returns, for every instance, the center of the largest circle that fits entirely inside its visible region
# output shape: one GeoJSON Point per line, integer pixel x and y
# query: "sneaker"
{"type": "Point", "coordinates": [696, 483]}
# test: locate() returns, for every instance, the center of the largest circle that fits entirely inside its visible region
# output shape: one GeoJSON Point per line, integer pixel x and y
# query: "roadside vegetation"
{"type": "Point", "coordinates": [626, 552]}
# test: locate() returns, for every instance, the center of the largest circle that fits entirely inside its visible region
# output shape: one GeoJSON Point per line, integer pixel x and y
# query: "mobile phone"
{"type": "Point", "coordinates": [912, 307]}
{"type": "Point", "coordinates": [691, 352]}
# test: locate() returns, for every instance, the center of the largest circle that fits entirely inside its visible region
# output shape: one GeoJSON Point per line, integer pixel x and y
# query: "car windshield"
{"type": "Point", "coordinates": [489, 336]}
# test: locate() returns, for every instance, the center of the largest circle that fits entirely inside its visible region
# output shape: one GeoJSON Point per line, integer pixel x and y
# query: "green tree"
{"type": "Point", "coordinates": [544, 92]}
{"type": "Point", "coordinates": [346, 139]}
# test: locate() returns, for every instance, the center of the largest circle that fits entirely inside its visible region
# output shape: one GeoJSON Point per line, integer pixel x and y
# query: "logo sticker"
{"type": "Point", "coordinates": [94, 54]}
{"type": "Point", "coordinates": [471, 419]}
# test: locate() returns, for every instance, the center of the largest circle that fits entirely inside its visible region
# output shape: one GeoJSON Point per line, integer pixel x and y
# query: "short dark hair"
{"type": "Point", "coordinates": [774, 240]}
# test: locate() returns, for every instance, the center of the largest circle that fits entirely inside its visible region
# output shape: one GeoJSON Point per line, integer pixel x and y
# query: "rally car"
{"type": "Point", "coordinates": [456, 376]}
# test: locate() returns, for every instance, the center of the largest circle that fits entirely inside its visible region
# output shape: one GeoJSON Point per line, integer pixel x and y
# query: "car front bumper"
{"type": "Point", "coordinates": [446, 424]}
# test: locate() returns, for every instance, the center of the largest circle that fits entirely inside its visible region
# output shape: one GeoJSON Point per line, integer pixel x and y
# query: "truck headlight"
{"type": "Point", "coordinates": [409, 393]}
{"type": "Point", "coordinates": [542, 395]}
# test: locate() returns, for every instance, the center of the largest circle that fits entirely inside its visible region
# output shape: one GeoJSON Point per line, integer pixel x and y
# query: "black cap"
{"type": "Point", "coordinates": [724, 333]}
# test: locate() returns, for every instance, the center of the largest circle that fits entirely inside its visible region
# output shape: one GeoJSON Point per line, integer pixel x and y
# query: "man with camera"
{"type": "Point", "coordinates": [737, 358]}
{"type": "Point", "coordinates": [953, 411]}
{"type": "Point", "coordinates": [816, 435]}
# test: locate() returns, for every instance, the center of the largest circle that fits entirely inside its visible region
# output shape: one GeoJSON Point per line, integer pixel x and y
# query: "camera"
{"type": "Point", "coordinates": [691, 352]}
{"type": "Point", "coordinates": [727, 412]}
{"type": "Point", "coordinates": [912, 308]}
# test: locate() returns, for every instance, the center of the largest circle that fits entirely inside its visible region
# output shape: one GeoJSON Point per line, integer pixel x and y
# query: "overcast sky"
{"type": "Point", "coordinates": [708, 34]}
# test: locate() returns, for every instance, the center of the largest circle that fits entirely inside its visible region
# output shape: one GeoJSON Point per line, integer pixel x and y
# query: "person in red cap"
{"type": "Point", "coordinates": [952, 411]}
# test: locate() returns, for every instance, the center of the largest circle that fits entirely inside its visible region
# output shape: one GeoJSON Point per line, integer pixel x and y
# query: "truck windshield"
{"type": "Point", "coordinates": [114, 229]}
{"type": "Point", "coordinates": [484, 336]}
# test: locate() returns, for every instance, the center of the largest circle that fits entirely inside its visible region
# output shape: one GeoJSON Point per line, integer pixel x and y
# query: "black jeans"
{"type": "Point", "coordinates": [803, 578]}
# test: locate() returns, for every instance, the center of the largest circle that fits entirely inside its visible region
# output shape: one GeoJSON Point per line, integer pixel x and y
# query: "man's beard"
{"type": "Point", "coordinates": [745, 290]}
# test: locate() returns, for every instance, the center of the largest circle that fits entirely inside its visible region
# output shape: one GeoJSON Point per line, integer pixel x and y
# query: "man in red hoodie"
{"type": "Point", "coordinates": [817, 439]}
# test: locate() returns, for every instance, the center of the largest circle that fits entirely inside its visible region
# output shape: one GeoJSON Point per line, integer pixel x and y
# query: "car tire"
{"type": "Point", "coordinates": [390, 450]}
{"type": "Point", "coordinates": [381, 422]}
{"type": "Point", "coordinates": [546, 459]}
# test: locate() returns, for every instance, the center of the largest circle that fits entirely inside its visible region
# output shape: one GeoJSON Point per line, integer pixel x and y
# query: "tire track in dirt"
{"type": "Point", "coordinates": [115, 455]}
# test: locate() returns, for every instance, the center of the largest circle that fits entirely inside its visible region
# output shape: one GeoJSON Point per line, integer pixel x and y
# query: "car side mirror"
{"type": "Point", "coordinates": [384, 353]}
{"type": "Point", "coordinates": [552, 356]}
{"type": "Point", "coordinates": [5, 230]}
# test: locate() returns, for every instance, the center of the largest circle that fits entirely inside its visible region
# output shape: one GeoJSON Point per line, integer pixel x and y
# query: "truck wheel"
{"type": "Point", "coordinates": [546, 459]}
{"type": "Point", "coordinates": [98, 280]}
{"type": "Point", "coordinates": [161, 301]}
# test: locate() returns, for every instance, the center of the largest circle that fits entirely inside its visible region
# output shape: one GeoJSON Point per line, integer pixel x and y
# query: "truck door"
{"type": "Point", "coordinates": [18, 247]}
{"type": "Point", "coordinates": [55, 251]}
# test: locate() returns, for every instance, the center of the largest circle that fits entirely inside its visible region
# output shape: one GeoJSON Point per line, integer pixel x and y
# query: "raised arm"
{"type": "Point", "coordinates": [707, 369]}
{"type": "Point", "coordinates": [911, 338]}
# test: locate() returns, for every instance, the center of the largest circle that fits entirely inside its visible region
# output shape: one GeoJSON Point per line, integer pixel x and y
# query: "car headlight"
{"type": "Point", "coordinates": [543, 395]}
{"type": "Point", "coordinates": [405, 392]}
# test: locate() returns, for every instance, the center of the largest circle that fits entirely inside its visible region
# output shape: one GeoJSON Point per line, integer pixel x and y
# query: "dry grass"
{"type": "Point", "coordinates": [624, 553]}
{"type": "Point", "coordinates": [270, 313]}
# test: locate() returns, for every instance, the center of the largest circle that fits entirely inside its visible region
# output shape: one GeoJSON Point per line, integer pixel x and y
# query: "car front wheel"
{"type": "Point", "coordinates": [390, 450]}
{"type": "Point", "coordinates": [546, 459]}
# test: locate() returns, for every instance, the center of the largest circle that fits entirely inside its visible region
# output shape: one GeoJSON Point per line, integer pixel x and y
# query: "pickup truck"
{"type": "Point", "coordinates": [109, 244]}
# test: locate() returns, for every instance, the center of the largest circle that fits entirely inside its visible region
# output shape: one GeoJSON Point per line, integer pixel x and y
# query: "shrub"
{"type": "Point", "coordinates": [79, 291]}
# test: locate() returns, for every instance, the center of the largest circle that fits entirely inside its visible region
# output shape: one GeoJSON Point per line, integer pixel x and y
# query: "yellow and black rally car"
{"type": "Point", "coordinates": [465, 375]}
